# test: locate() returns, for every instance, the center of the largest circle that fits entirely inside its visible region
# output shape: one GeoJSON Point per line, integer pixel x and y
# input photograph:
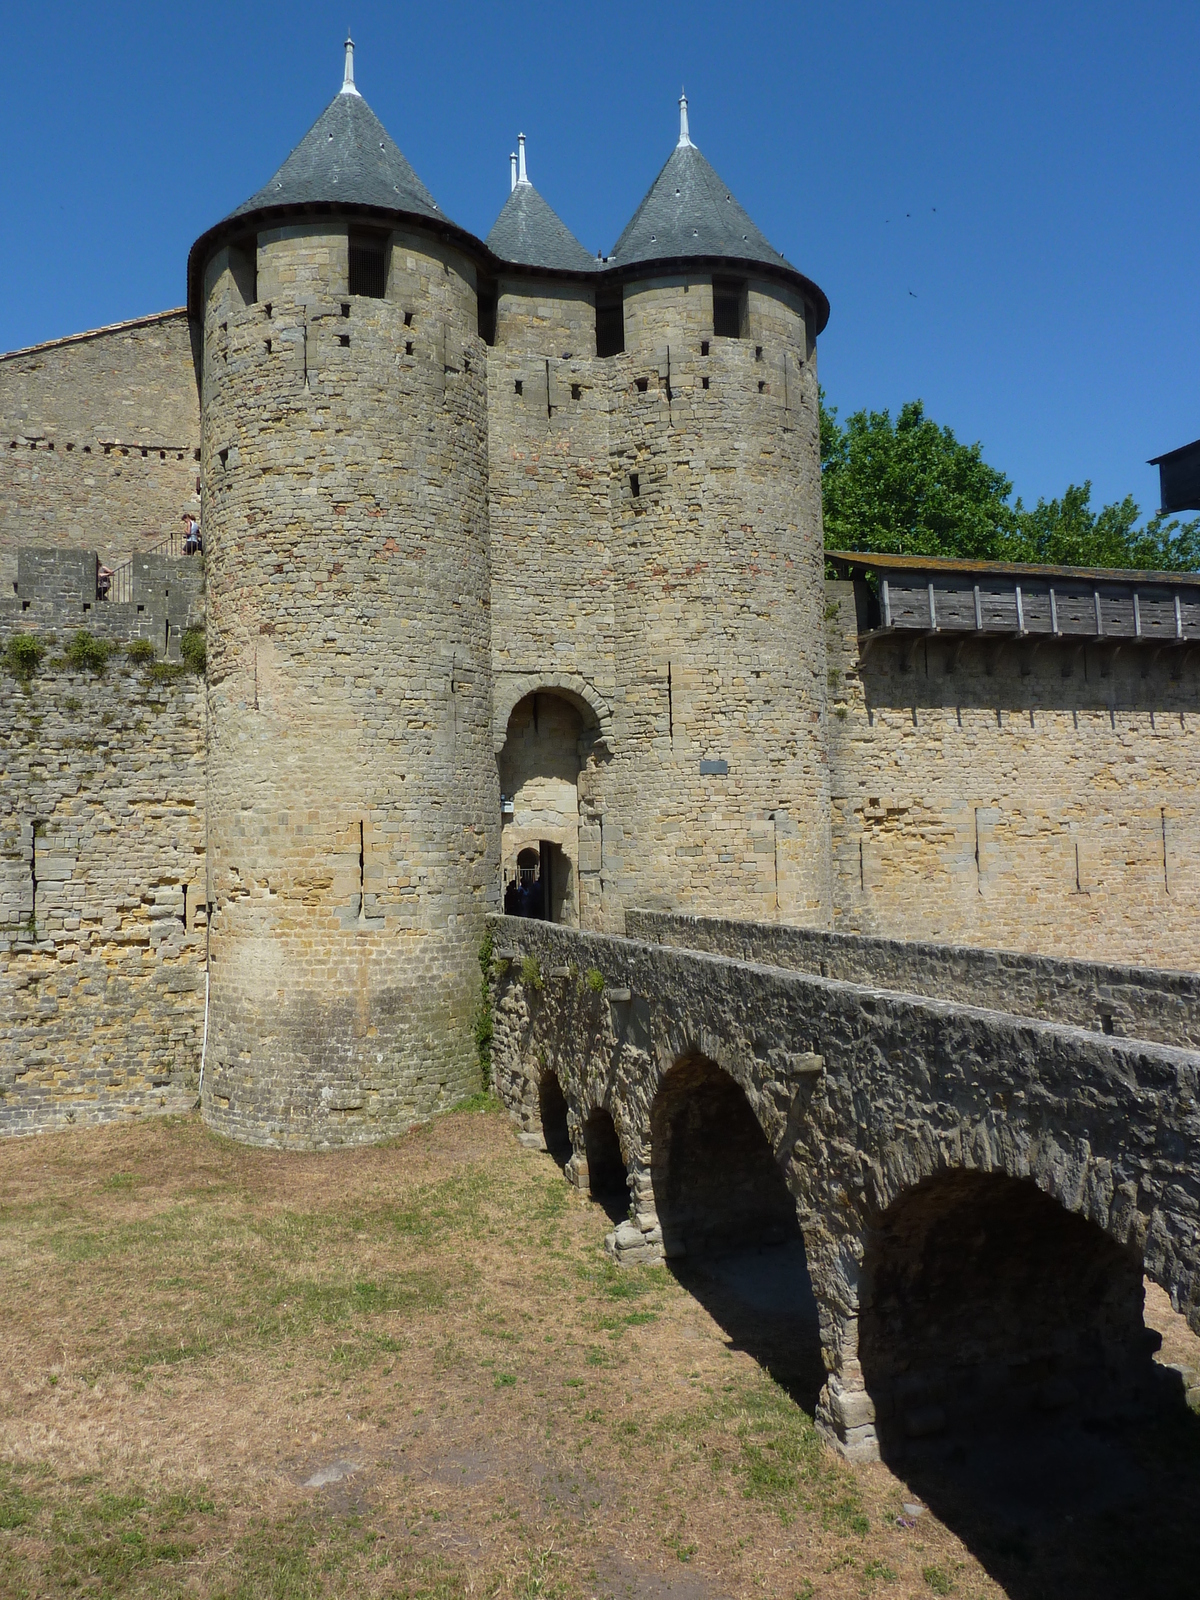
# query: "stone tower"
{"type": "Point", "coordinates": [657, 555]}
{"type": "Point", "coordinates": [351, 784]}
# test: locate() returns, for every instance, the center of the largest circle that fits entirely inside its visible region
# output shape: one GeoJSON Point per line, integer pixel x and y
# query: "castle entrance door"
{"type": "Point", "coordinates": [539, 782]}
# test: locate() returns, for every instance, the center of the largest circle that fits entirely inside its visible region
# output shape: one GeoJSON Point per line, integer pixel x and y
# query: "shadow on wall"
{"type": "Point", "coordinates": [729, 1225]}
{"type": "Point", "coordinates": [1003, 1343]}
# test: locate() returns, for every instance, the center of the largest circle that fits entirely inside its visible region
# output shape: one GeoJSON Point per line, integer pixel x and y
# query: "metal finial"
{"type": "Point", "coordinates": [512, 162]}
{"type": "Point", "coordinates": [684, 136]}
{"type": "Point", "coordinates": [348, 76]}
{"type": "Point", "coordinates": [522, 175]}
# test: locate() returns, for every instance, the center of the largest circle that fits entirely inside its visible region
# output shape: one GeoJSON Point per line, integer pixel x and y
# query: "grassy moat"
{"type": "Point", "coordinates": [410, 1371]}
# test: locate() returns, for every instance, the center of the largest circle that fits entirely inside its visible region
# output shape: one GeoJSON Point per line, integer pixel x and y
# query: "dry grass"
{"type": "Point", "coordinates": [193, 1329]}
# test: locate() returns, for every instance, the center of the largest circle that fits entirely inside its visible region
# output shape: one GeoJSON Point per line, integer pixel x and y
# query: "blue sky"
{"type": "Point", "coordinates": [1000, 201]}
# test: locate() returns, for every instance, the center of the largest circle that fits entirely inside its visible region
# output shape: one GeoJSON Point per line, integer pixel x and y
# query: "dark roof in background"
{"type": "Point", "coordinates": [346, 158]}
{"type": "Point", "coordinates": [868, 561]}
{"type": "Point", "coordinates": [689, 211]}
{"type": "Point", "coordinates": [529, 232]}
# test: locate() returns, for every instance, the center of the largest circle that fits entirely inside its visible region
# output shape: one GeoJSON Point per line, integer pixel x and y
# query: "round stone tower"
{"type": "Point", "coordinates": [715, 445]}
{"type": "Point", "coordinates": [351, 781]}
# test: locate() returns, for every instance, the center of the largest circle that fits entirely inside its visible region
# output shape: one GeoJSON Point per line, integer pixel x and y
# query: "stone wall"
{"type": "Point", "coordinates": [102, 894]}
{"type": "Point", "coordinates": [866, 1097]}
{"type": "Point", "coordinates": [1025, 795]}
{"type": "Point", "coordinates": [99, 440]}
{"type": "Point", "coordinates": [353, 798]}
{"type": "Point", "coordinates": [1130, 1002]}
{"type": "Point", "coordinates": [656, 537]}
{"type": "Point", "coordinates": [56, 594]}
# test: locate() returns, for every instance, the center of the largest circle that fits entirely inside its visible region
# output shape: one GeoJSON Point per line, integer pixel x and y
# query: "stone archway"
{"type": "Point", "coordinates": [608, 1180]}
{"type": "Point", "coordinates": [729, 1224]}
{"type": "Point", "coordinates": [539, 782]}
{"type": "Point", "coordinates": [552, 1112]}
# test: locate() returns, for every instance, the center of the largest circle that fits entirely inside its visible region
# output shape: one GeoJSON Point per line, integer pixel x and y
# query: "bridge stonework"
{"type": "Point", "coordinates": [868, 1098]}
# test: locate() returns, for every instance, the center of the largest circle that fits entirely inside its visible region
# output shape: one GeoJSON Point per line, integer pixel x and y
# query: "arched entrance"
{"type": "Point", "coordinates": [984, 1302]}
{"type": "Point", "coordinates": [539, 784]}
{"type": "Point", "coordinates": [729, 1223]}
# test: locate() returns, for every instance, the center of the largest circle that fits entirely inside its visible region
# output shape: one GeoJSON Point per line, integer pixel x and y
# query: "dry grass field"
{"type": "Point", "coordinates": [409, 1371]}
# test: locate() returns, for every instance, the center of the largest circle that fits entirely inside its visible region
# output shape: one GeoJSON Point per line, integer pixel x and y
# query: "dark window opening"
{"type": "Point", "coordinates": [642, 384]}
{"type": "Point", "coordinates": [635, 485]}
{"type": "Point", "coordinates": [408, 319]}
{"type": "Point", "coordinates": [762, 384]}
{"type": "Point", "coordinates": [518, 387]}
{"type": "Point", "coordinates": [243, 266]}
{"type": "Point", "coordinates": [368, 265]}
{"type": "Point", "coordinates": [267, 309]}
{"type": "Point", "coordinates": [729, 308]}
{"type": "Point", "coordinates": [408, 347]}
{"type": "Point", "coordinates": [344, 340]}
{"type": "Point", "coordinates": [704, 347]}
{"type": "Point", "coordinates": [610, 324]}
{"type": "Point", "coordinates": [268, 347]}
{"type": "Point", "coordinates": [576, 391]}
{"type": "Point", "coordinates": [758, 352]}
{"type": "Point", "coordinates": [486, 302]}
{"type": "Point", "coordinates": [704, 383]}
{"type": "Point", "coordinates": [345, 308]}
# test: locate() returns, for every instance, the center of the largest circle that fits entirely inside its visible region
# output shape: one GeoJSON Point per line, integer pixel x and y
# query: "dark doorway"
{"type": "Point", "coordinates": [1003, 1343]}
{"type": "Point", "coordinates": [608, 1180]}
{"type": "Point", "coordinates": [729, 1224]}
{"type": "Point", "coordinates": [552, 1106]}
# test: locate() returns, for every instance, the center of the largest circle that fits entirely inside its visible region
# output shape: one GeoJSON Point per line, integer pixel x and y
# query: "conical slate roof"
{"type": "Point", "coordinates": [346, 158]}
{"type": "Point", "coordinates": [529, 232]}
{"type": "Point", "coordinates": [689, 211]}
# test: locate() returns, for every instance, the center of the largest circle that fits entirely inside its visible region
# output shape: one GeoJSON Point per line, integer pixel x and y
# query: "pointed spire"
{"type": "Point", "coordinates": [522, 175]}
{"type": "Point", "coordinates": [512, 163]}
{"type": "Point", "coordinates": [348, 76]}
{"type": "Point", "coordinates": [684, 137]}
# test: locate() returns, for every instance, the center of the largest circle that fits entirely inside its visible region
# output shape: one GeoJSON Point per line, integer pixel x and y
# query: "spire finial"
{"type": "Point", "coordinates": [512, 163]}
{"type": "Point", "coordinates": [684, 136]}
{"type": "Point", "coordinates": [348, 76]}
{"type": "Point", "coordinates": [522, 175]}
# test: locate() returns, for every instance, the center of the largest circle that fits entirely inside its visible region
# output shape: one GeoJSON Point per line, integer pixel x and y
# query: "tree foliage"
{"type": "Point", "coordinates": [909, 487]}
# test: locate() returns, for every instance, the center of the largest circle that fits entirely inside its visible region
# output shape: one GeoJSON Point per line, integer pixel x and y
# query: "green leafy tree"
{"type": "Point", "coordinates": [909, 487]}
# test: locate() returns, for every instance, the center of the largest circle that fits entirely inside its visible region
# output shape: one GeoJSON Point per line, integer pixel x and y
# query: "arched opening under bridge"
{"type": "Point", "coordinates": [552, 1108]}
{"type": "Point", "coordinates": [729, 1223]}
{"type": "Point", "coordinates": [608, 1179]}
{"type": "Point", "coordinates": [1003, 1343]}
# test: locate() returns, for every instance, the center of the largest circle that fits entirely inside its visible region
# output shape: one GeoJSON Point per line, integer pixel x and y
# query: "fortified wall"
{"type": "Point", "coordinates": [103, 898]}
{"type": "Point", "coordinates": [513, 582]}
{"type": "Point", "coordinates": [99, 440]}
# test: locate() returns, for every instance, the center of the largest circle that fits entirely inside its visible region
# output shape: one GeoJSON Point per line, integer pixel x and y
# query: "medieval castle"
{"type": "Point", "coordinates": [512, 573]}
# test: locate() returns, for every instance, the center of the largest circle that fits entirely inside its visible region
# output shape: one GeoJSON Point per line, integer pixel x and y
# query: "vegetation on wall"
{"type": "Point", "coordinates": [910, 487]}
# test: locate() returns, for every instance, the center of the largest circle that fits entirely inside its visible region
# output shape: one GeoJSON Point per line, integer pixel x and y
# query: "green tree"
{"type": "Point", "coordinates": [909, 487]}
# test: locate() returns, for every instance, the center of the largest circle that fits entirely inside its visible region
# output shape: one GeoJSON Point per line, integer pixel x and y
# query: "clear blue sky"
{"type": "Point", "coordinates": [1048, 306]}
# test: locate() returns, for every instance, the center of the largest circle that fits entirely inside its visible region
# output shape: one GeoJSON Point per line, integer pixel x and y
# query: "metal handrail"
{"type": "Point", "coordinates": [119, 585]}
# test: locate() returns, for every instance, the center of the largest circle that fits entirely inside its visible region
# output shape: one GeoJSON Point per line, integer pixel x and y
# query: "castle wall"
{"type": "Point", "coordinates": [1033, 797]}
{"type": "Point", "coordinates": [353, 799]}
{"type": "Point", "coordinates": [680, 605]}
{"type": "Point", "coordinates": [102, 893]}
{"type": "Point", "coordinates": [98, 440]}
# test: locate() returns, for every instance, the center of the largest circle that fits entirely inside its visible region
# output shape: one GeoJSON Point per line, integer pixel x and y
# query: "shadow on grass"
{"type": "Point", "coordinates": [763, 1299]}
{"type": "Point", "coordinates": [1070, 1509]}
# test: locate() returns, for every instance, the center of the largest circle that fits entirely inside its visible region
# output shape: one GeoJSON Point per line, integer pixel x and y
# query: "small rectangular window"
{"type": "Point", "coordinates": [729, 308]}
{"type": "Point", "coordinates": [485, 296]}
{"type": "Point", "coordinates": [368, 264]}
{"type": "Point", "coordinates": [610, 324]}
{"type": "Point", "coordinates": [635, 485]}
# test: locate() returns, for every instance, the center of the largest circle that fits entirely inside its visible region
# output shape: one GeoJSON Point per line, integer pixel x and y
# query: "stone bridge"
{"type": "Point", "coordinates": [976, 1194]}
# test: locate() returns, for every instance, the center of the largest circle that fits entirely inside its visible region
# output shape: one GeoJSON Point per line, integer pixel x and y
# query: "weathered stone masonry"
{"type": "Point", "coordinates": [867, 1099]}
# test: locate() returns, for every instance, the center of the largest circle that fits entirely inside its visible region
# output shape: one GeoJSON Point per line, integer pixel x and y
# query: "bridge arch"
{"type": "Point", "coordinates": [553, 1115]}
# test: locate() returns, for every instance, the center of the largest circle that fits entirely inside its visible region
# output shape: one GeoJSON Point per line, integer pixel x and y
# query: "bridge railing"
{"type": "Point", "coordinates": [116, 583]}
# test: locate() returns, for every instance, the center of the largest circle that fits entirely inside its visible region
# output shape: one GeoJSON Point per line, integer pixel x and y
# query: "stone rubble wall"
{"type": "Point", "coordinates": [1022, 795]}
{"type": "Point", "coordinates": [55, 597]}
{"type": "Point", "coordinates": [102, 894]}
{"type": "Point", "coordinates": [1130, 1002]}
{"type": "Point", "coordinates": [99, 440]}
{"type": "Point", "coordinates": [863, 1095]}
